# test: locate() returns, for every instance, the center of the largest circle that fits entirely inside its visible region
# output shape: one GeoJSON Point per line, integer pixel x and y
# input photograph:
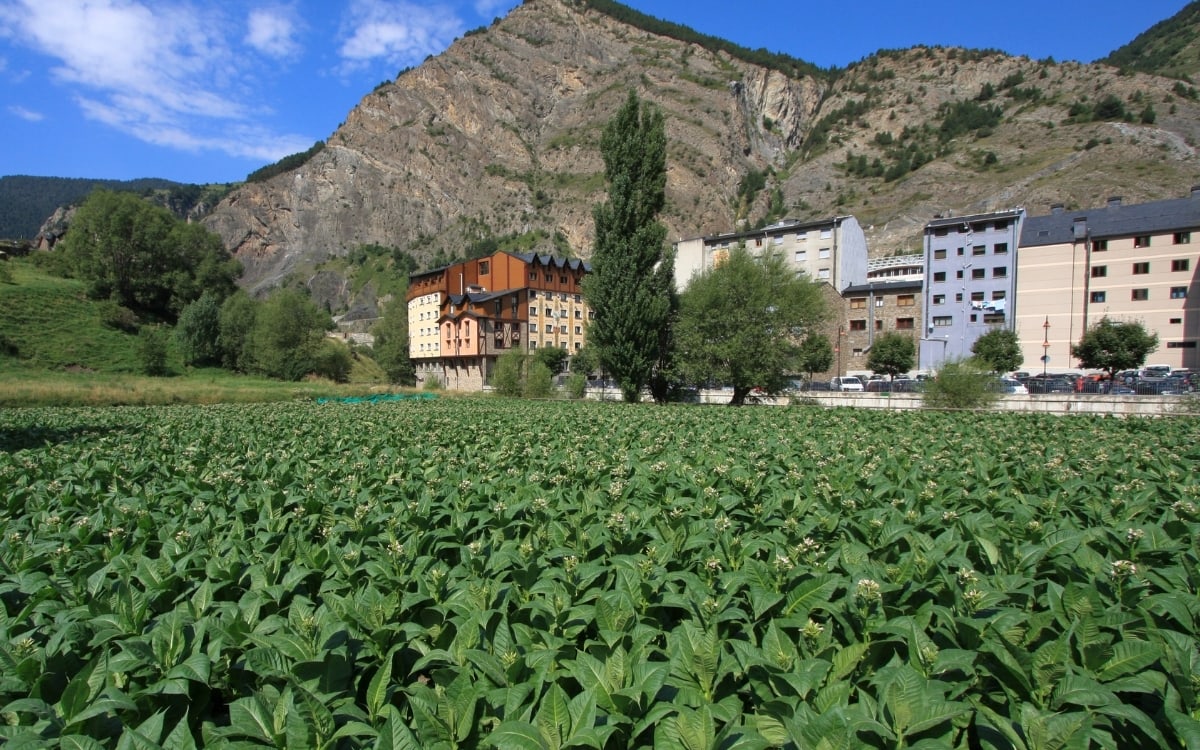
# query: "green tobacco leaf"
{"type": "Point", "coordinates": [809, 595]}
{"type": "Point", "coordinates": [516, 735]}
{"type": "Point", "coordinates": [79, 742]}
{"type": "Point", "coordinates": [1128, 656]}
{"type": "Point", "coordinates": [379, 689]}
{"type": "Point", "coordinates": [395, 734]}
{"type": "Point", "coordinates": [1186, 728]}
{"type": "Point", "coordinates": [554, 718]}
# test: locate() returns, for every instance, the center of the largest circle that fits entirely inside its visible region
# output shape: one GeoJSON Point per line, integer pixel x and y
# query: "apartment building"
{"type": "Point", "coordinates": [870, 310]}
{"type": "Point", "coordinates": [1136, 262]}
{"type": "Point", "coordinates": [970, 282]}
{"type": "Point", "coordinates": [462, 317]}
{"type": "Point", "coordinates": [832, 250]}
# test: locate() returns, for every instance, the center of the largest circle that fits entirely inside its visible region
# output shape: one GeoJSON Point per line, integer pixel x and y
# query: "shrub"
{"type": "Point", "coordinates": [539, 382]}
{"type": "Point", "coordinates": [961, 384]}
{"type": "Point", "coordinates": [508, 376]}
{"type": "Point", "coordinates": [113, 315]}
{"type": "Point", "coordinates": [152, 350]}
{"type": "Point", "coordinates": [433, 383]}
{"type": "Point", "coordinates": [333, 361]}
{"type": "Point", "coordinates": [8, 347]}
{"type": "Point", "coordinates": [576, 385]}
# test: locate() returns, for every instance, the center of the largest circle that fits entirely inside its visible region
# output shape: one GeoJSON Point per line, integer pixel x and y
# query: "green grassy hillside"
{"type": "Point", "coordinates": [56, 327]}
{"type": "Point", "coordinates": [65, 354]}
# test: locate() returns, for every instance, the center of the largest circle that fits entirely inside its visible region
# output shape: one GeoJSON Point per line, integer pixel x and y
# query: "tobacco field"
{"type": "Point", "coordinates": [483, 573]}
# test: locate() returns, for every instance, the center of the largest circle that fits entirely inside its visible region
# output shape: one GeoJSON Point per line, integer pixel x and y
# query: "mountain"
{"type": "Point", "coordinates": [1169, 48]}
{"type": "Point", "coordinates": [494, 143]}
{"type": "Point", "coordinates": [26, 201]}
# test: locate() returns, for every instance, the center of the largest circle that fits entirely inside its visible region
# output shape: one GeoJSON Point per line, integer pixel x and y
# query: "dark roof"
{"type": "Point", "coordinates": [784, 225]}
{"type": "Point", "coordinates": [952, 221]}
{"type": "Point", "coordinates": [1114, 220]}
{"type": "Point", "coordinates": [553, 261]}
{"type": "Point", "coordinates": [883, 286]}
{"type": "Point", "coordinates": [457, 299]}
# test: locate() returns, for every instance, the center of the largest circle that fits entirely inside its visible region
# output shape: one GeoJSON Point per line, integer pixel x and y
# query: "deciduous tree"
{"type": "Point", "coordinates": [816, 354]}
{"type": "Point", "coordinates": [390, 349]}
{"type": "Point", "coordinates": [740, 323]}
{"type": "Point", "coordinates": [1114, 345]}
{"type": "Point", "coordinates": [631, 286]}
{"type": "Point", "coordinates": [287, 335]}
{"type": "Point", "coordinates": [892, 354]}
{"type": "Point", "coordinates": [142, 257]}
{"type": "Point", "coordinates": [999, 349]}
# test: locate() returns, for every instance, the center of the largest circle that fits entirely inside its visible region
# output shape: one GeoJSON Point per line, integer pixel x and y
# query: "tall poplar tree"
{"type": "Point", "coordinates": [631, 286]}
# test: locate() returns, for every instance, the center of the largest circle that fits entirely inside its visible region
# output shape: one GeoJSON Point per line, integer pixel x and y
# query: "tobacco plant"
{"type": "Point", "coordinates": [463, 573]}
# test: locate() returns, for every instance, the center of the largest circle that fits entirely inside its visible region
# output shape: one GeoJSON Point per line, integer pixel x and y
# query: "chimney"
{"type": "Point", "coordinates": [1114, 201]}
{"type": "Point", "coordinates": [1056, 208]}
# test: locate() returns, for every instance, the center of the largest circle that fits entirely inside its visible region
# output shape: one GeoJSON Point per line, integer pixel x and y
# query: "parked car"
{"type": "Point", "coordinates": [846, 383]}
{"type": "Point", "coordinates": [907, 385]}
{"type": "Point", "coordinates": [1049, 384]}
{"type": "Point", "coordinates": [1012, 386]}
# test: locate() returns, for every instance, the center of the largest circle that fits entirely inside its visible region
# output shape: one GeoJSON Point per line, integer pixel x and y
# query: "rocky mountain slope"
{"type": "Point", "coordinates": [498, 137]}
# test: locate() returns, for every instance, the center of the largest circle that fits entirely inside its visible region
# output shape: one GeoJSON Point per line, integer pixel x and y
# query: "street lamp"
{"type": "Point", "coordinates": [1045, 345]}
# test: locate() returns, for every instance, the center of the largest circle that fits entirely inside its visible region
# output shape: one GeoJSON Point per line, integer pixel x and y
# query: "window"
{"type": "Point", "coordinates": [549, 277]}
{"type": "Point", "coordinates": [578, 330]}
{"type": "Point", "coordinates": [532, 311]}
{"type": "Point", "coordinates": [879, 301]}
{"type": "Point", "coordinates": [533, 345]}
{"type": "Point", "coordinates": [958, 297]}
{"type": "Point", "coordinates": [579, 298]}
{"type": "Point", "coordinates": [906, 300]}
{"type": "Point", "coordinates": [532, 294]}
{"type": "Point", "coordinates": [1099, 246]}
{"type": "Point", "coordinates": [533, 327]}
{"type": "Point", "coordinates": [977, 296]}
{"type": "Point", "coordinates": [562, 279]}
{"type": "Point", "coordinates": [1179, 292]}
{"type": "Point", "coordinates": [533, 275]}
{"type": "Point", "coordinates": [939, 299]}
{"type": "Point", "coordinates": [943, 320]}
{"type": "Point", "coordinates": [979, 250]}
{"type": "Point", "coordinates": [939, 254]}
{"type": "Point", "coordinates": [1098, 297]}
{"type": "Point", "coordinates": [1182, 238]}
{"type": "Point", "coordinates": [959, 274]}
{"type": "Point", "coordinates": [499, 307]}
{"type": "Point", "coordinates": [858, 303]}
{"type": "Point", "coordinates": [1000, 272]}
{"type": "Point", "coordinates": [801, 256]}
{"type": "Point", "coordinates": [978, 273]}
{"type": "Point", "coordinates": [939, 276]}
{"type": "Point", "coordinates": [1182, 264]}
{"type": "Point", "coordinates": [578, 314]}
{"type": "Point", "coordinates": [1139, 295]}
{"type": "Point", "coordinates": [822, 273]}
{"type": "Point", "coordinates": [1142, 240]}
{"type": "Point", "coordinates": [823, 253]}
{"type": "Point", "coordinates": [826, 233]}
{"type": "Point", "coordinates": [1000, 248]}
{"type": "Point", "coordinates": [484, 267]}
{"type": "Point", "coordinates": [1099, 272]}
{"type": "Point", "coordinates": [578, 346]}
{"type": "Point", "coordinates": [858, 325]}
{"type": "Point", "coordinates": [960, 251]}
{"type": "Point", "coordinates": [878, 325]}
{"type": "Point", "coordinates": [1002, 224]}
{"type": "Point", "coordinates": [1181, 344]}
{"type": "Point", "coordinates": [857, 352]}
{"type": "Point", "coordinates": [998, 294]}
{"type": "Point", "coordinates": [904, 324]}
{"type": "Point", "coordinates": [1141, 268]}
{"type": "Point", "coordinates": [777, 239]}
{"type": "Point", "coordinates": [562, 329]}
{"type": "Point", "coordinates": [974, 317]}
{"type": "Point", "coordinates": [1176, 321]}
{"type": "Point", "coordinates": [993, 318]}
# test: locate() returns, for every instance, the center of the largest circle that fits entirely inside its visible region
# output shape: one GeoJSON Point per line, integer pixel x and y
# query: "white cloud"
{"type": "Point", "coordinates": [398, 33]}
{"type": "Point", "coordinates": [493, 8]}
{"type": "Point", "coordinates": [26, 114]}
{"type": "Point", "coordinates": [273, 32]}
{"type": "Point", "coordinates": [164, 72]}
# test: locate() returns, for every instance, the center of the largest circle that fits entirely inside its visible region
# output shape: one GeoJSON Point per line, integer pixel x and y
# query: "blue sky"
{"type": "Point", "coordinates": [201, 91]}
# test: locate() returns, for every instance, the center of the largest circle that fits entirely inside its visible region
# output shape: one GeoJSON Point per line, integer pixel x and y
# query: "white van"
{"type": "Point", "coordinates": [847, 383]}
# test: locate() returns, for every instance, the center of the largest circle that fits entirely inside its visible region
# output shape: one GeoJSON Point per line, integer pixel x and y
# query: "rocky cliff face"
{"type": "Point", "coordinates": [500, 135]}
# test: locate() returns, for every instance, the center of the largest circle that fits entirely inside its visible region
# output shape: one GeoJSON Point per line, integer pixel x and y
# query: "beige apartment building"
{"type": "Point", "coordinates": [1136, 262]}
{"type": "Point", "coordinates": [832, 250]}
